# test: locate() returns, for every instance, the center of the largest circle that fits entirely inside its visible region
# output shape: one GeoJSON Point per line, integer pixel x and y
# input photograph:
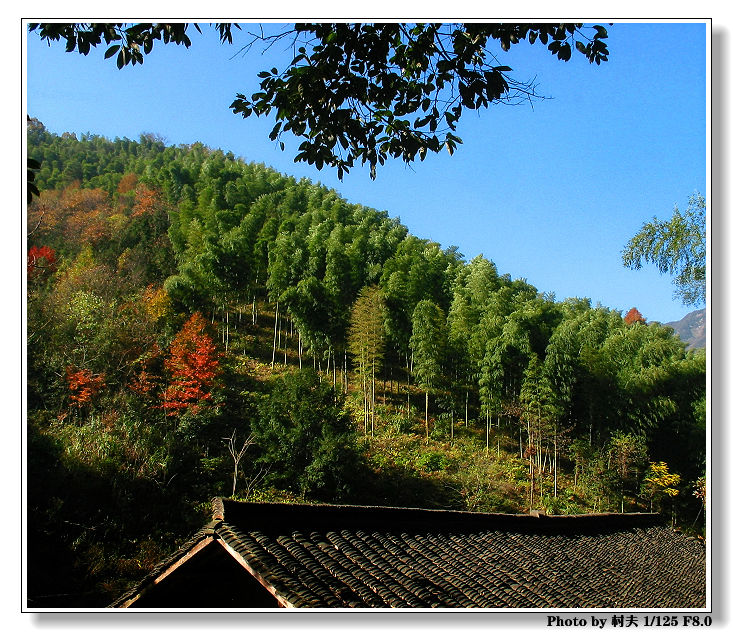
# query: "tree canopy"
{"type": "Point", "coordinates": [677, 247]}
{"type": "Point", "coordinates": [363, 93]}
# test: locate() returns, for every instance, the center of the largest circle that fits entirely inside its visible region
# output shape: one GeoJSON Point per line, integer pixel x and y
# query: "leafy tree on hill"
{"type": "Point", "coordinates": [306, 439]}
{"type": "Point", "coordinates": [537, 412]}
{"type": "Point", "coordinates": [627, 454]}
{"type": "Point", "coordinates": [192, 364]}
{"type": "Point", "coordinates": [581, 377]}
{"type": "Point", "coordinates": [419, 270]}
{"type": "Point", "coordinates": [83, 386]}
{"type": "Point", "coordinates": [363, 92]}
{"type": "Point", "coordinates": [660, 484]}
{"type": "Point", "coordinates": [366, 344]}
{"type": "Point", "coordinates": [634, 316]}
{"type": "Point", "coordinates": [429, 345]}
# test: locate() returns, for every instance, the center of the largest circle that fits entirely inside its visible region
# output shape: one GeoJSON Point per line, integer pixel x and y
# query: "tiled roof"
{"type": "Point", "coordinates": [345, 556]}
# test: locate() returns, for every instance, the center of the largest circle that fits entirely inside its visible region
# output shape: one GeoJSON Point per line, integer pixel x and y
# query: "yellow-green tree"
{"type": "Point", "coordinates": [366, 345]}
{"type": "Point", "coordinates": [660, 484]}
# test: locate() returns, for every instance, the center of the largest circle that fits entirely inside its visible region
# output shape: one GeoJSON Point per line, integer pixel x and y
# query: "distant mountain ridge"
{"type": "Point", "coordinates": [691, 329]}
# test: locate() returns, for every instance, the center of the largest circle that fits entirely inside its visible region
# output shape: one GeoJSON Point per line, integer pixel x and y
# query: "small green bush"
{"type": "Point", "coordinates": [400, 423]}
{"type": "Point", "coordinates": [432, 461]}
{"type": "Point", "coordinates": [441, 427]}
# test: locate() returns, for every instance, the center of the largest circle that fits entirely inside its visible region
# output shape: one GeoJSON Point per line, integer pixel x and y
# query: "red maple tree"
{"type": "Point", "coordinates": [83, 385]}
{"type": "Point", "coordinates": [634, 316]}
{"type": "Point", "coordinates": [192, 363]}
{"type": "Point", "coordinates": [41, 260]}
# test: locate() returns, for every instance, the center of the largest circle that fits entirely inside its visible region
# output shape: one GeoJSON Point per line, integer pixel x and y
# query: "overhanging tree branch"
{"type": "Point", "coordinates": [677, 247]}
{"type": "Point", "coordinates": [363, 93]}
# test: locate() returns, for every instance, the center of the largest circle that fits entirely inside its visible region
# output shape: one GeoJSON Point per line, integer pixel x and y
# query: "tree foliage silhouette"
{"type": "Point", "coordinates": [676, 247]}
{"type": "Point", "coordinates": [363, 93]}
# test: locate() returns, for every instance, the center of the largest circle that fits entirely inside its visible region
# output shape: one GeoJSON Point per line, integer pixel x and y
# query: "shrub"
{"type": "Point", "coordinates": [564, 504]}
{"type": "Point", "coordinates": [441, 427]}
{"type": "Point", "coordinates": [401, 423]}
{"type": "Point", "coordinates": [306, 438]}
{"type": "Point", "coordinates": [432, 461]}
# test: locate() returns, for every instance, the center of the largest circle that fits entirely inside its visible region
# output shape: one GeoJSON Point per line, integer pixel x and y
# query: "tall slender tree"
{"type": "Point", "coordinates": [429, 345]}
{"type": "Point", "coordinates": [366, 344]}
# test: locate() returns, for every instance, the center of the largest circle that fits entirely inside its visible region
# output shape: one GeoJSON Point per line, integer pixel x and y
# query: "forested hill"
{"type": "Point", "coordinates": [200, 326]}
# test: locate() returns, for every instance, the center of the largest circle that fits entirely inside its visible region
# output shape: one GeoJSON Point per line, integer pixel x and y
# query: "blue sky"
{"type": "Point", "coordinates": [550, 192]}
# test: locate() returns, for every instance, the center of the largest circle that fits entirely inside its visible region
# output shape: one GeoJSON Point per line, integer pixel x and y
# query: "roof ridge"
{"type": "Point", "coordinates": [279, 514]}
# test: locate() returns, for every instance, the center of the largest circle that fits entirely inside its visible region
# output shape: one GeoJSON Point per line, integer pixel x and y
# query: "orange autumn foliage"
{"type": "Point", "coordinates": [78, 215]}
{"type": "Point", "coordinates": [192, 363]}
{"type": "Point", "coordinates": [127, 183]}
{"type": "Point", "coordinates": [147, 201]}
{"type": "Point", "coordinates": [634, 316]}
{"type": "Point", "coordinates": [83, 385]}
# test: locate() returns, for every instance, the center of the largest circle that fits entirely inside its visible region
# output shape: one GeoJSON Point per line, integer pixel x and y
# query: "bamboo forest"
{"type": "Point", "coordinates": [201, 326]}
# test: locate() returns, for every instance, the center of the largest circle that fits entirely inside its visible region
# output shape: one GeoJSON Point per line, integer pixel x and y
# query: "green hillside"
{"type": "Point", "coordinates": [200, 326]}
